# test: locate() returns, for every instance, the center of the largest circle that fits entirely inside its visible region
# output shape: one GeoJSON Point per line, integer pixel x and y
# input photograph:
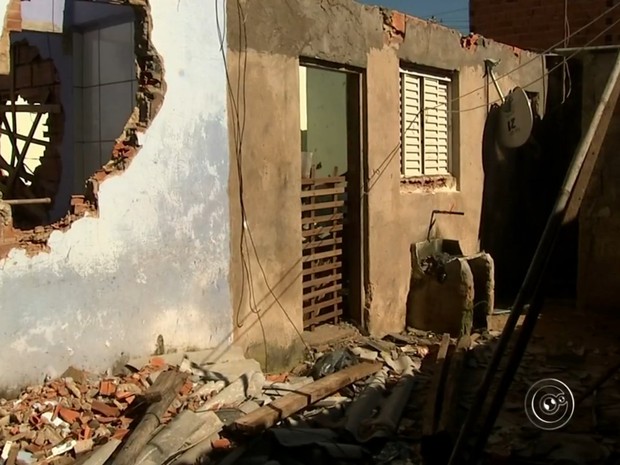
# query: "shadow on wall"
{"type": "Point", "coordinates": [520, 188]}
{"type": "Point", "coordinates": [513, 213]}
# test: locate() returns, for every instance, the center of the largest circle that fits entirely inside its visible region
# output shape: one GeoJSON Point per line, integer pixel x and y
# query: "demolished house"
{"type": "Point", "coordinates": [276, 249]}
{"type": "Point", "coordinates": [191, 194]}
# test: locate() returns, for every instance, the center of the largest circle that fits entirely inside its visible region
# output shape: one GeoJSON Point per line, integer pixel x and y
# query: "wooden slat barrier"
{"type": "Point", "coordinates": [322, 215]}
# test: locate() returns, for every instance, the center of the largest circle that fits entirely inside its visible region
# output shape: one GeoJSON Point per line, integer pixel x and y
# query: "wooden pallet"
{"type": "Point", "coordinates": [322, 215]}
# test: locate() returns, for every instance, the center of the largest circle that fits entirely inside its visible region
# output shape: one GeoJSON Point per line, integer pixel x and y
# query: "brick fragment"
{"type": "Point", "coordinates": [104, 409]}
{"type": "Point", "coordinates": [68, 415]}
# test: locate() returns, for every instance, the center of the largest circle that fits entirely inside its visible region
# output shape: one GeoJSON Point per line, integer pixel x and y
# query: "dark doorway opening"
{"type": "Point", "coordinates": [521, 186]}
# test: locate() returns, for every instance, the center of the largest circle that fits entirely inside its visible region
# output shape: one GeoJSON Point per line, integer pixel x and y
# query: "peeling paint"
{"type": "Point", "coordinates": [155, 259]}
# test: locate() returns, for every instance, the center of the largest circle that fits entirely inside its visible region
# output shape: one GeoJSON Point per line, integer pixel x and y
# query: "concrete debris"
{"type": "Point", "coordinates": [363, 401]}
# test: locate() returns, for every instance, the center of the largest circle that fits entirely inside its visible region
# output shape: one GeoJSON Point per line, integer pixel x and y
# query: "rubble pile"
{"type": "Point", "coordinates": [395, 401]}
{"type": "Point", "coordinates": [91, 419]}
{"type": "Point", "coordinates": [591, 434]}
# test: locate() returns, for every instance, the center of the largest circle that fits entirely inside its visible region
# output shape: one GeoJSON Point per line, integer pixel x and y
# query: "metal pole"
{"type": "Point", "coordinates": [536, 268]}
{"type": "Point", "coordinates": [595, 48]}
{"type": "Point", "coordinates": [595, 135]}
{"type": "Point", "coordinates": [45, 200]}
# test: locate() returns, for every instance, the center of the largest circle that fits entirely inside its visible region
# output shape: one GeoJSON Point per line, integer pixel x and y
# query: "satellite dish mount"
{"type": "Point", "coordinates": [516, 117]}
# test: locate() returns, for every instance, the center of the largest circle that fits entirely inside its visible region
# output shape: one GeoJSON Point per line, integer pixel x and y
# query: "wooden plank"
{"type": "Point", "coordinates": [319, 181]}
{"type": "Point", "coordinates": [430, 409]}
{"type": "Point", "coordinates": [268, 415]}
{"type": "Point", "coordinates": [168, 384]}
{"type": "Point", "coordinates": [323, 291]}
{"type": "Point", "coordinates": [27, 108]}
{"type": "Point", "coordinates": [311, 245]}
{"type": "Point", "coordinates": [321, 305]}
{"type": "Point", "coordinates": [322, 318]}
{"type": "Point", "coordinates": [448, 409]}
{"type": "Point", "coordinates": [322, 230]}
{"type": "Point", "coordinates": [321, 281]}
{"type": "Point", "coordinates": [21, 155]}
{"type": "Point", "coordinates": [323, 255]}
{"type": "Point", "coordinates": [321, 268]}
{"type": "Point", "coordinates": [320, 192]}
{"type": "Point", "coordinates": [322, 205]}
{"type": "Point", "coordinates": [593, 141]}
{"type": "Point", "coordinates": [322, 219]}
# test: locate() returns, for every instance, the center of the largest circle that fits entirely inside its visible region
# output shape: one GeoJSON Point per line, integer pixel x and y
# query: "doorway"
{"type": "Point", "coordinates": [331, 207]}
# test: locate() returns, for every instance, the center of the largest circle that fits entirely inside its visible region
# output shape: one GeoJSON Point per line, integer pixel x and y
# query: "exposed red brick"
{"type": "Point", "coordinates": [157, 362]}
{"type": "Point", "coordinates": [533, 24]}
{"type": "Point", "coordinates": [70, 416]}
{"type": "Point", "coordinates": [399, 22]}
{"type": "Point", "coordinates": [221, 443]}
{"type": "Point", "coordinates": [104, 409]}
{"type": "Point", "coordinates": [107, 388]}
{"type": "Point", "coordinates": [151, 91]}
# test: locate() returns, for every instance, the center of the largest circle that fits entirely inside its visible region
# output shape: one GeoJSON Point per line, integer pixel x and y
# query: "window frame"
{"type": "Point", "coordinates": [447, 77]}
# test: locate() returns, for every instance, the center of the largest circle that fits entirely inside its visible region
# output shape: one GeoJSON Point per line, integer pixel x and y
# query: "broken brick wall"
{"type": "Point", "coordinates": [154, 261]}
{"type": "Point", "coordinates": [36, 81]}
{"type": "Point", "coordinates": [12, 23]}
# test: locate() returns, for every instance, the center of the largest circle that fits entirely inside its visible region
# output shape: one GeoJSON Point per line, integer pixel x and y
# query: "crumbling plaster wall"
{"type": "Point", "coordinates": [599, 223]}
{"type": "Point", "coordinates": [156, 259]}
{"type": "Point", "coordinates": [276, 34]}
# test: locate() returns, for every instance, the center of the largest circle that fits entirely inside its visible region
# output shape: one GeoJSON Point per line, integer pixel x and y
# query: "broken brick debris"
{"type": "Point", "coordinates": [173, 408]}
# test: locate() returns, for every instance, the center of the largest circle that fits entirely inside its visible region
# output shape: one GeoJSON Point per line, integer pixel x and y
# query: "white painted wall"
{"type": "Point", "coordinates": [157, 259]}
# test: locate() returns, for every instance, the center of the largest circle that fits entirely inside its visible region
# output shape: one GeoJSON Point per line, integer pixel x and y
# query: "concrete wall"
{"type": "Point", "coordinates": [156, 259]}
{"type": "Point", "coordinates": [599, 224]}
{"type": "Point", "coordinates": [344, 32]}
{"type": "Point", "coordinates": [538, 25]}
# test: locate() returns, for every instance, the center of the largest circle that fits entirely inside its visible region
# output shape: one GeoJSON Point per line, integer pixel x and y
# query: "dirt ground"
{"type": "Point", "coordinates": [575, 348]}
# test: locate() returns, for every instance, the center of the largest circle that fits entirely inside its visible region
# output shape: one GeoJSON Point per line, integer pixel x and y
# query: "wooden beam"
{"type": "Point", "coordinates": [27, 108]}
{"type": "Point", "coordinates": [21, 155]}
{"type": "Point", "coordinates": [593, 141]}
{"type": "Point", "coordinates": [41, 201]}
{"type": "Point", "coordinates": [434, 392]}
{"type": "Point", "coordinates": [45, 143]}
{"type": "Point", "coordinates": [168, 384]}
{"type": "Point", "coordinates": [267, 416]}
{"type": "Point", "coordinates": [449, 407]}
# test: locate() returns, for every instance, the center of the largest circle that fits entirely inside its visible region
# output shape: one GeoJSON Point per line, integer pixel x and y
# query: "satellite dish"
{"type": "Point", "coordinates": [515, 120]}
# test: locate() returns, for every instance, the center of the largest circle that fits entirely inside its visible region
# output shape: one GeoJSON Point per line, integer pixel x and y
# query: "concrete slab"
{"type": "Point", "coordinates": [231, 370]}
{"type": "Point", "coordinates": [202, 357]}
{"type": "Point", "coordinates": [497, 322]}
{"type": "Point", "coordinates": [325, 335]}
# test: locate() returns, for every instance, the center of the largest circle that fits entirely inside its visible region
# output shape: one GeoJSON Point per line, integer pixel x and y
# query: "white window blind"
{"type": "Point", "coordinates": [425, 135]}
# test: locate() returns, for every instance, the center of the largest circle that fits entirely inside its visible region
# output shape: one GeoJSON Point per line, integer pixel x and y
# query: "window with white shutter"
{"type": "Point", "coordinates": [425, 148]}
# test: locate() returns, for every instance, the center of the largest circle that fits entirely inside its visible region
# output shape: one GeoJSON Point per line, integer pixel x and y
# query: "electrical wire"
{"type": "Point", "coordinates": [448, 12]}
{"type": "Point", "coordinates": [392, 154]}
{"type": "Point", "coordinates": [240, 128]}
{"type": "Point", "coordinates": [240, 122]}
{"type": "Point", "coordinates": [566, 70]}
{"type": "Point", "coordinates": [238, 137]}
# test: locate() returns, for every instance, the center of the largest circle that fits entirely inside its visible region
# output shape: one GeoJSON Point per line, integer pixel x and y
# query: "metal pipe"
{"type": "Point", "coordinates": [595, 48]}
{"type": "Point", "coordinates": [596, 132]}
{"type": "Point", "coordinates": [45, 200]}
